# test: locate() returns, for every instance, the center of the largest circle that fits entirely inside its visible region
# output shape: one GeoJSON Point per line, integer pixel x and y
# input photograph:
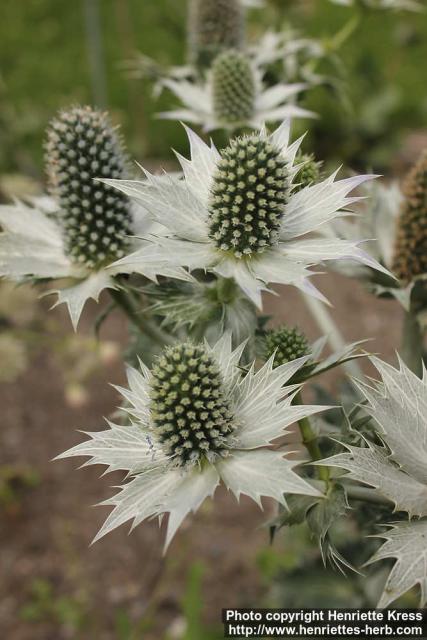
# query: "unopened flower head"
{"type": "Point", "coordinates": [286, 344]}
{"type": "Point", "coordinates": [410, 258]}
{"type": "Point", "coordinates": [214, 25]}
{"type": "Point", "coordinates": [96, 220]}
{"type": "Point", "coordinates": [190, 409]}
{"type": "Point", "coordinates": [198, 419]}
{"type": "Point", "coordinates": [250, 187]}
{"type": "Point", "coordinates": [233, 85]}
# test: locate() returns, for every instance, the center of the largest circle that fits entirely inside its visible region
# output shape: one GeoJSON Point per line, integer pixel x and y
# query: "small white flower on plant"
{"type": "Point", "coordinates": [82, 231]}
{"type": "Point", "coordinates": [198, 419]}
{"type": "Point", "coordinates": [240, 213]}
{"type": "Point", "coordinates": [397, 468]}
{"type": "Point", "coordinates": [233, 96]}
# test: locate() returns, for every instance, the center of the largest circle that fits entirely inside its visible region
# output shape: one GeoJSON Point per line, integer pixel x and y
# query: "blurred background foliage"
{"type": "Point", "coordinates": [46, 64]}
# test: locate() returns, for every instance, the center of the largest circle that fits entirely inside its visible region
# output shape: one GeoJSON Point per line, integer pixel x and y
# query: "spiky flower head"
{"type": "Point", "coordinates": [82, 145]}
{"type": "Point", "coordinates": [189, 407]}
{"type": "Point", "coordinates": [286, 344]}
{"type": "Point", "coordinates": [309, 172]}
{"type": "Point", "coordinates": [249, 189]}
{"type": "Point", "coordinates": [410, 257]}
{"type": "Point", "coordinates": [233, 85]}
{"type": "Point", "coordinates": [214, 25]}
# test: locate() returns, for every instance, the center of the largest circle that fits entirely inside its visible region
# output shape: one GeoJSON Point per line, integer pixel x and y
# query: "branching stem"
{"type": "Point", "coordinates": [127, 304]}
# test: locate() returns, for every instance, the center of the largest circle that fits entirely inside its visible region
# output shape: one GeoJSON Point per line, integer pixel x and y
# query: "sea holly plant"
{"type": "Point", "coordinates": [240, 213]}
{"type": "Point", "coordinates": [85, 231]}
{"type": "Point", "coordinates": [196, 420]}
{"type": "Point", "coordinates": [394, 220]}
{"type": "Point", "coordinates": [394, 462]}
{"type": "Point", "coordinates": [234, 97]}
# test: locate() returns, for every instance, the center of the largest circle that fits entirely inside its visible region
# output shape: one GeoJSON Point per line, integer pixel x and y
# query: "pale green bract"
{"type": "Point", "coordinates": [262, 409]}
{"type": "Point", "coordinates": [398, 470]}
{"type": "Point", "coordinates": [182, 207]}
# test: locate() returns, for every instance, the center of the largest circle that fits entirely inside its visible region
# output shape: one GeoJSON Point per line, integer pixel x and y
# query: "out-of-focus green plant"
{"type": "Point", "coordinates": [45, 605]}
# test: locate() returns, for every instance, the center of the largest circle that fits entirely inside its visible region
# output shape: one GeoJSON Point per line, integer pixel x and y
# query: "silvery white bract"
{"type": "Point", "coordinates": [295, 52]}
{"type": "Point", "coordinates": [186, 209]}
{"type": "Point", "coordinates": [377, 221]}
{"type": "Point", "coordinates": [397, 469]}
{"type": "Point", "coordinates": [199, 100]}
{"type": "Point", "coordinates": [32, 247]}
{"type": "Point", "coordinates": [169, 474]}
{"type": "Point", "coordinates": [409, 5]}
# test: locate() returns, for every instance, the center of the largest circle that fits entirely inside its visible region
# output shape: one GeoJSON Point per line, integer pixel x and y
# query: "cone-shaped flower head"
{"type": "Point", "coordinates": [234, 89]}
{"type": "Point", "coordinates": [86, 231]}
{"type": "Point", "coordinates": [249, 190]}
{"type": "Point", "coordinates": [96, 220]}
{"type": "Point", "coordinates": [214, 25]}
{"type": "Point", "coordinates": [410, 258]}
{"type": "Point", "coordinates": [239, 214]}
{"type": "Point", "coordinates": [286, 344]}
{"type": "Point", "coordinates": [198, 419]}
{"type": "Point", "coordinates": [189, 405]}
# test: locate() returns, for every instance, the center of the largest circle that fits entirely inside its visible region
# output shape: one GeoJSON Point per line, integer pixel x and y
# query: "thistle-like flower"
{"type": "Point", "coordinates": [197, 419]}
{"type": "Point", "coordinates": [236, 213]}
{"type": "Point", "coordinates": [213, 27]}
{"type": "Point", "coordinates": [233, 96]}
{"type": "Point", "coordinates": [82, 231]}
{"type": "Point", "coordinates": [285, 344]}
{"type": "Point", "coordinates": [397, 468]}
{"type": "Point", "coordinates": [410, 256]}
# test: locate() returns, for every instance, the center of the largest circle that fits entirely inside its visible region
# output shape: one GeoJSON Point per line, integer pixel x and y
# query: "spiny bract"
{"type": "Point", "coordinates": [233, 87]}
{"type": "Point", "coordinates": [250, 188]}
{"type": "Point", "coordinates": [410, 258]}
{"type": "Point", "coordinates": [287, 343]}
{"type": "Point", "coordinates": [214, 26]}
{"type": "Point", "coordinates": [189, 407]}
{"type": "Point", "coordinates": [82, 145]}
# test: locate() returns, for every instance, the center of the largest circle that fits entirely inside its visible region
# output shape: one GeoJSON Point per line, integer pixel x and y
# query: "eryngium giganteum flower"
{"type": "Point", "coordinates": [238, 214]}
{"type": "Point", "coordinates": [285, 344]}
{"type": "Point", "coordinates": [410, 256]}
{"type": "Point", "coordinates": [83, 231]}
{"type": "Point", "coordinates": [233, 96]}
{"type": "Point", "coordinates": [197, 419]}
{"type": "Point", "coordinates": [214, 26]}
{"type": "Point", "coordinates": [395, 464]}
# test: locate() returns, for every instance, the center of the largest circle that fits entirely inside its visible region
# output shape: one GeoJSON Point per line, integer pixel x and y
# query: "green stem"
{"type": "Point", "coordinates": [364, 494]}
{"type": "Point", "coordinates": [341, 37]}
{"type": "Point", "coordinates": [310, 441]}
{"type": "Point", "coordinates": [412, 343]}
{"type": "Point", "coordinates": [125, 302]}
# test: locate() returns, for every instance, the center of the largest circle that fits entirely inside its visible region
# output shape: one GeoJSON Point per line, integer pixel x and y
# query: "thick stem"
{"type": "Point", "coordinates": [125, 302]}
{"type": "Point", "coordinates": [309, 440]}
{"type": "Point", "coordinates": [412, 343]}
